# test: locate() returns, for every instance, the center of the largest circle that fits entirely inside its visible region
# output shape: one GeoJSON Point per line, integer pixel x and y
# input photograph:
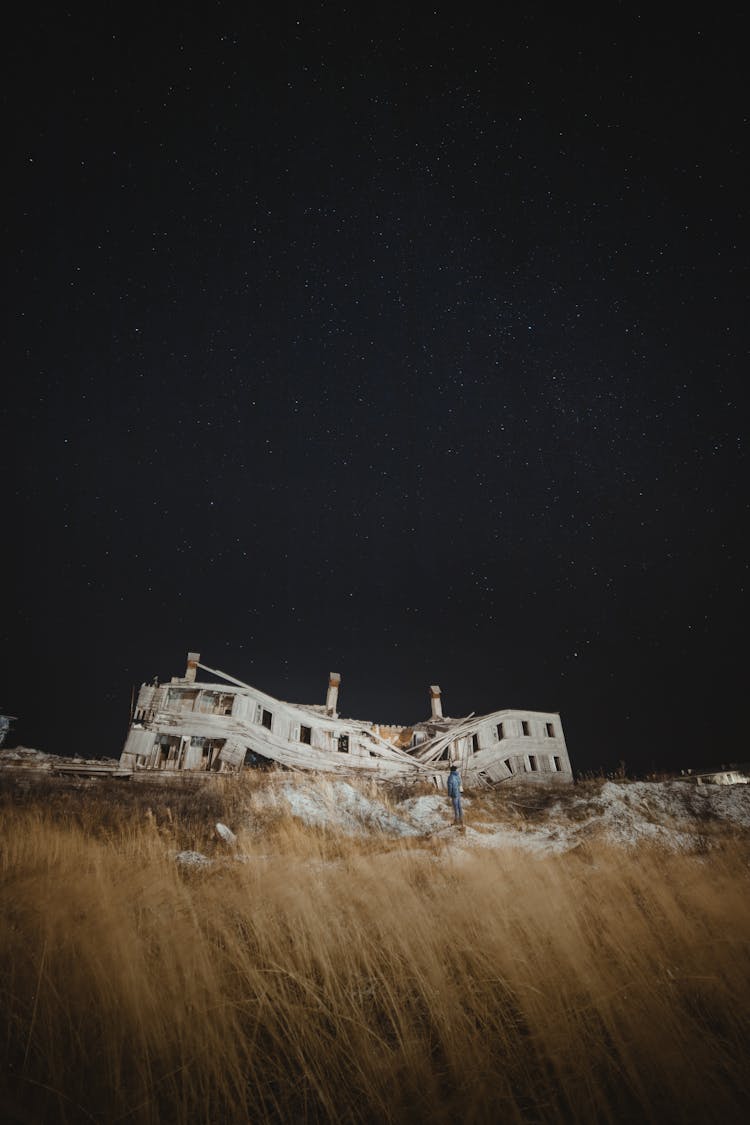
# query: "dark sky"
{"type": "Point", "coordinates": [403, 344]}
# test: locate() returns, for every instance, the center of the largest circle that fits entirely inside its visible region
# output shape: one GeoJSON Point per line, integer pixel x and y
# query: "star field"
{"type": "Point", "coordinates": [410, 348]}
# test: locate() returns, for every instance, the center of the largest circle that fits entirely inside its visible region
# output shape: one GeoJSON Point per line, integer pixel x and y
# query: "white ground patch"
{"type": "Point", "coordinates": [337, 804]}
{"type": "Point", "coordinates": [671, 814]}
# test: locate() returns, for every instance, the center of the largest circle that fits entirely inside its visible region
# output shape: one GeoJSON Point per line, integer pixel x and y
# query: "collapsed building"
{"type": "Point", "coordinates": [187, 725]}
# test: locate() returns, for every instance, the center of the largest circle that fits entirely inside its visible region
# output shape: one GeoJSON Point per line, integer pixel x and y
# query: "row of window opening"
{"type": "Point", "coordinates": [305, 733]}
{"type": "Point", "coordinates": [549, 730]}
{"type": "Point", "coordinates": [531, 764]}
{"type": "Point", "coordinates": [265, 717]}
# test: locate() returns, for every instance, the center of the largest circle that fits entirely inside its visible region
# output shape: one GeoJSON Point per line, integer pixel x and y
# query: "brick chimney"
{"type": "Point", "coordinates": [192, 666]}
{"type": "Point", "coordinates": [332, 698]}
{"type": "Point", "coordinates": [437, 707]}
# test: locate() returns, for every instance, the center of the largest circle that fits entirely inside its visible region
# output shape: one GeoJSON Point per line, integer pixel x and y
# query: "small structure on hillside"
{"type": "Point", "coordinates": [5, 721]}
{"type": "Point", "coordinates": [718, 777]}
{"type": "Point", "coordinates": [186, 725]}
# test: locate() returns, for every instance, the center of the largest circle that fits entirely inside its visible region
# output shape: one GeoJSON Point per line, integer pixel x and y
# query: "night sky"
{"type": "Point", "coordinates": [403, 344]}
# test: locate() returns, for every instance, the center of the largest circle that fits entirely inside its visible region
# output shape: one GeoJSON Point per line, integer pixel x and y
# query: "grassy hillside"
{"type": "Point", "coordinates": [316, 976]}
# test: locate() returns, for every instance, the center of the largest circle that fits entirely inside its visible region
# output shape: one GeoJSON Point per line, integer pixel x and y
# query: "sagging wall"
{"type": "Point", "coordinates": [521, 744]}
{"type": "Point", "coordinates": [137, 750]}
{"type": "Point", "coordinates": [162, 705]}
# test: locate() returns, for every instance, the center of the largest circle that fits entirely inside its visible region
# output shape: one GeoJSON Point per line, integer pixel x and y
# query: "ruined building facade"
{"type": "Point", "coordinates": [187, 725]}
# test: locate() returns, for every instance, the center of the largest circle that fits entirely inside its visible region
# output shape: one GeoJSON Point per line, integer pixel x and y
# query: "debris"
{"type": "Point", "coordinates": [226, 834]}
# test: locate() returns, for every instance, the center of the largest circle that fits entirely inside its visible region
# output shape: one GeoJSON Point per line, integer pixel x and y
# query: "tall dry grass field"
{"type": "Point", "coordinates": [320, 979]}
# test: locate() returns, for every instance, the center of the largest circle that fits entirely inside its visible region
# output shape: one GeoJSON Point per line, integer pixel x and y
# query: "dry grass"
{"type": "Point", "coordinates": [325, 979]}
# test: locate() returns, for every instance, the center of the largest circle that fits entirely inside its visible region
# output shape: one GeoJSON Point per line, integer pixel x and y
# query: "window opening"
{"type": "Point", "coordinates": [525, 727]}
{"type": "Point", "coordinates": [207, 702]}
{"type": "Point", "coordinates": [343, 744]}
{"type": "Point", "coordinates": [182, 700]}
{"type": "Point", "coordinates": [475, 743]}
{"type": "Point", "coordinates": [266, 719]}
{"type": "Point", "coordinates": [549, 727]}
{"type": "Point", "coordinates": [500, 733]}
{"type": "Point", "coordinates": [305, 735]}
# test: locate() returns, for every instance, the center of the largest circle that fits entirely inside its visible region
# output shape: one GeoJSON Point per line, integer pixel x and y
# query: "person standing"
{"type": "Point", "coordinates": [454, 792]}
